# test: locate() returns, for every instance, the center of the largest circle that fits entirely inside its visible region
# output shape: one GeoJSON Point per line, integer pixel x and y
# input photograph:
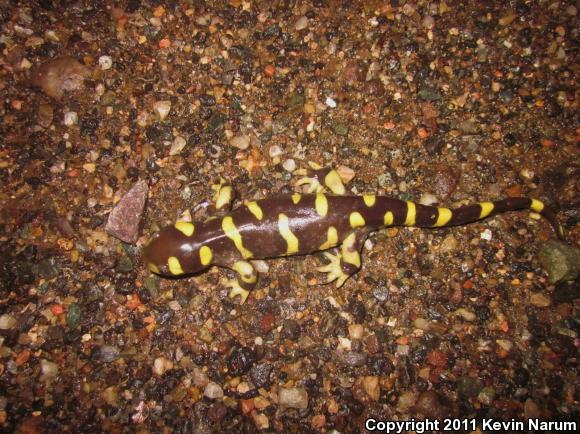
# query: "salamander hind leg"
{"type": "Point", "coordinates": [319, 178]}
{"type": "Point", "coordinates": [245, 282]}
{"type": "Point", "coordinates": [347, 262]}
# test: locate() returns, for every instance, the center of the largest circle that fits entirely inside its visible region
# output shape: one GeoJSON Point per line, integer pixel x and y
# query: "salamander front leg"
{"type": "Point", "coordinates": [224, 196]}
{"type": "Point", "coordinates": [344, 264]}
{"type": "Point", "coordinates": [317, 178]}
{"type": "Point", "coordinates": [247, 278]}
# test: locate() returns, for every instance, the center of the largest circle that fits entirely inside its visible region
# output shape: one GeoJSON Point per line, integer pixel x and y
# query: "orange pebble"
{"type": "Point", "coordinates": [133, 302]}
{"type": "Point", "coordinates": [22, 357]}
{"type": "Point", "coordinates": [247, 405]}
{"type": "Point", "coordinates": [423, 133]}
{"type": "Point", "coordinates": [165, 43]}
{"type": "Point", "coordinates": [270, 70]}
{"type": "Point", "coordinates": [57, 309]}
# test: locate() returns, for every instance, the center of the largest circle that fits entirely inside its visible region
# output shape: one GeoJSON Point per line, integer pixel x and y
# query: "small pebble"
{"type": "Point", "coordinates": [241, 142]}
{"type": "Point", "coordinates": [355, 331]}
{"type": "Point", "coordinates": [162, 365]}
{"type": "Point", "coordinates": [540, 300]}
{"type": "Point", "coordinates": [295, 397]}
{"type": "Point", "coordinates": [371, 387]}
{"type": "Point", "coordinates": [289, 165]}
{"type": "Point", "coordinates": [177, 145]}
{"type": "Point", "coordinates": [71, 118]}
{"type": "Point", "coordinates": [213, 391]}
{"type": "Point", "coordinates": [48, 370]}
{"type": "Point", "coordinates": [301, 23]}
{"type": "Point", "coordinates": [105, 62]}
{"type": "Point", "coordinates": [162, 109]}
{"type": "Point", "coordinates": [275, 151]}
{"type": "Point", "coordinates": [7, 322]}
{"type": "Point", "coordinates": [330, 102]}
{"type": "Point", "coordinates": [486, 235]}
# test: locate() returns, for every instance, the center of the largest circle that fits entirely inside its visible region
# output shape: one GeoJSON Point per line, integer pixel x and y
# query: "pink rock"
{"type": "Point", "coordinates": [124, 219]}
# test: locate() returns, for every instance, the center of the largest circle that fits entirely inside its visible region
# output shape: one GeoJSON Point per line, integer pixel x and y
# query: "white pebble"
{"type": "Point", "coordinates": [330, 102]}
{"type": "Point", "coordinates": [241, 142]}
{"type": "Point", "coordinates": [289, 165]}
{"type": "Point", "coordinates": [162, 365]}
{"type": "Point", "coordinates": [162, 109]}
{"type": "Point", "coordinates": [71, 118]}
{"type": "Point", "coordinates": [427, 199]}
{"type": "Point", "coordinates": [296, 397]}
{"type": "Point", "coordinates": [7, 322]}
{"type": "Point", "coordinates": [177, 146]}
{"type": "Point", "coordinates": [105, 62]}
{"type": "Point", "coordinates": [213, 391]}
{"type": "Point", "coordinates": [275, 151]}
{"type": "Point", "coordinates": [355, 331]}
{"type": "Point", "coordinates": [48, 369]}
{"type": "Point", "coordinates": [486, 235]}
{"type": "Point", "coordinates": [301, 23]}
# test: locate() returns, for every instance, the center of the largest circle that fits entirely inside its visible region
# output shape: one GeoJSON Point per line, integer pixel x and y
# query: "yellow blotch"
{"type": "Point", "coordinates": [321, 204]}
{"type": "Point", "coordinates": [185, 227]}
{"type": "Point", "coordinates": [255, 209]}
{"type": "Point", "coordinates": [356, 220]}
{"type": "Point", "coordinates": [205, 255]}
{"type": "Point", "coordinates": [486, 209]}
{"type": "Point", "coordinates": [296, 198]}
{"type": "Point", "coordinates": [233, 234]}
{"type": "Point", "coordinates": [331, 239]}
{"type": "Point", "coordinates": [174, 266]}
{"type": "Point", "coordinates": [349, 254]}
{"type": "Point", "coordinates": [334, 183]}
{"type": "Point", "coordinates": [411, 214]}
{"type": "Point", "coordinates": [369, 199]}
{"type": "Point", "coordinates": [153, 268]}
{"type": "Point", "coordinates": [284, 228]}
{"type": "Point", "coordinates": [389, 218]}
{"type": "Point", "coordinates": [536, 206]}
{"type": "Point", "coordinates": [444, 215]}
{"type": "Point", "coordinates": [246, 271]}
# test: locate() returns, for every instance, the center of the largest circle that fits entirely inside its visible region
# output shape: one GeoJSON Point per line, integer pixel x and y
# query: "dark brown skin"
{"type": "Point", "coordinates": [262, 237]}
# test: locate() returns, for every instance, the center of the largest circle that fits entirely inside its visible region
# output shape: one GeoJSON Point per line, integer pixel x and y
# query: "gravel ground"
{"type": "Point", "coordinates": [432, 101]}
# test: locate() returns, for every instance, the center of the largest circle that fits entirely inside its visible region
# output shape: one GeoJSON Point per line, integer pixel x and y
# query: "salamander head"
{"type": "Point", "coordinates": [176, 250]}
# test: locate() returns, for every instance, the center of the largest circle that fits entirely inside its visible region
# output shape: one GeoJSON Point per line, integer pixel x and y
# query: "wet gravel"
{"type": "Point", "coordinates": [432, 101]}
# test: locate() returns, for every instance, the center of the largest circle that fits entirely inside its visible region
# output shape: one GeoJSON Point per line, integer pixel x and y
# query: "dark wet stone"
{"type": "Point", "coordinates": [295, 100]}
{"type": "Point", "coordinates": [260, 375]}
{"type": "Point", "coordinates": [468, 386]}
{"type": "Point", "coordinates": [290, 330]}
{"type": "Point", "coordinates": [358, 310]}
{"type": "Point", "coordinates": [152, 285]}
{"type": "Point", "coordinates": [429, 93]}
{"type": "Point", "coordinates": [217, 412]}
{"type": "Point", "coordinates": [88, 125]}
{"type": "Point", "coordinates": [124, 219]}
{"type": "Point", "coordinates": [240, 360]}
{"type": "Point", "coordinates": [352, 358]}
{"type": "Point", "coordinates": [207, 100]}
{"type": "Point", "coordinates": [73, 315]}
{"type": "Point", "coordinates": [566, 291]}
{"type": "Point", "coordinates": [46, 269]}
{"type": "Point", "coordinates": [105, 354]}
{"type": "Point", "coordinates": [340, 129]}
{"type": "Point", "coordinates": [561, 261]}
{"type": "Point", "coordinates": [429, 405]}
{"type": "Point", "coordinates": [124, 265]}
{"type": "Point", "coordinates": [380, 365]}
